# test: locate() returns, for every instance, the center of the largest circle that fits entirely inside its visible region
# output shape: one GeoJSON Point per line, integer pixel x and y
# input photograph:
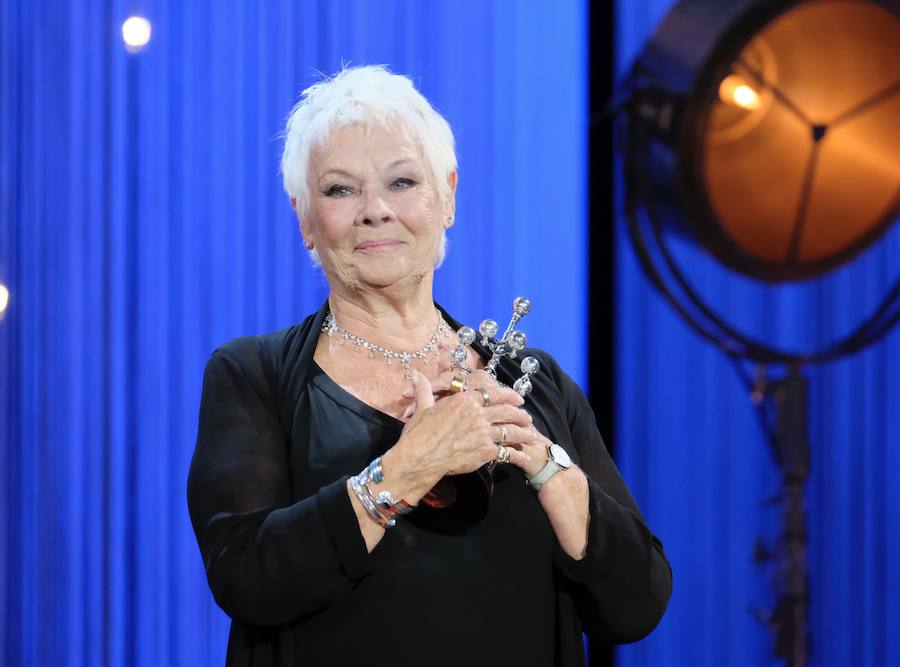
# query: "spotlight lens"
{"type": "Point", "coordinates": [735, 91]}
{"type": "Point", "coordinates": [4, 299]}
{"type": "Point", "coordinates": [801, 180]}
{"type": "Point", "coordinates": [136, 33]}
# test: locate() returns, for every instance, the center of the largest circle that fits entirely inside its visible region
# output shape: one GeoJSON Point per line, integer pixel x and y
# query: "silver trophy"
{"type": "Point", "coordinates": [463, 499]}
{"type": "Point", "coordinates": [508, 345]}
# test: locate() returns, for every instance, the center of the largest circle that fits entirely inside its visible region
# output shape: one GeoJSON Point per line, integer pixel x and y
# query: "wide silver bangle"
{"type": "Point", "coordinates": [362, 492]}
{"type": "Point", "coordinates": [374, 471]}
{"type": "Point", "coordinates": [385, 501]}
{"type": "Point", "coordinates": [383, 507]}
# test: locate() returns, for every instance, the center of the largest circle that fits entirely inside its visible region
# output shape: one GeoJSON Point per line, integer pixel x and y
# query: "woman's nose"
{"type": "Point", "coordinates": [374, 211]}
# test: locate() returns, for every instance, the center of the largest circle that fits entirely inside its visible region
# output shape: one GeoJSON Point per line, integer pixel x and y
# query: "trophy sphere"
{"type": "Point", "coordinates": [517, 340]}
{"type": "Point", "coordinates": [530, 365]}
{"type": "Point", "coordinates": [521, 306]}
{"type": "Point", "coordinates": [466, 335]}
{"type": "Point", "coordinates": [488, 328]}
{"type": "Point", "coordinates": [522, 386]}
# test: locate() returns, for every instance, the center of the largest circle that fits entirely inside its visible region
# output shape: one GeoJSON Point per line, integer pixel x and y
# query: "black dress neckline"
{"type": "Point", "coordinates": [347, 400]}
{"type": "Point", "coordinates": [342, 397]}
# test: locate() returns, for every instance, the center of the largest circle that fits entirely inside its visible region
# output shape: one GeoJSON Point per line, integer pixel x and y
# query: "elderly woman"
{"type": "Point", "coordinates": [318, 445]}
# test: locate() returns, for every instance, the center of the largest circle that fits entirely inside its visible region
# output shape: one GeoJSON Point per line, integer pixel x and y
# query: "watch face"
{"type": "Point", "coordinates": [560, 456]}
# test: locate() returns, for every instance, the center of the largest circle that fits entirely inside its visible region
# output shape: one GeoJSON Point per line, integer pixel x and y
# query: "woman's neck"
{"type": "Point", "coordinates": [398, 321]}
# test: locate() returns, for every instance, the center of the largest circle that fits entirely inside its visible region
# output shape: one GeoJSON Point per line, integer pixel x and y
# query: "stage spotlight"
{"type": "Point", "coordinates": [767, 134]}
{"type": "Point", "coordinates": [136, 33]}
{"type": "Point", "coordinates": [778, 127]}
{"type": "Point", "coordinates": [4, 299]}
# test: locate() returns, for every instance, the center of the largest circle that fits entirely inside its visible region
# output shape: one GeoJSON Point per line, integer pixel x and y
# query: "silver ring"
{"type": "Point", "coordinates": [504, 434]}
{"type": "Point", "coordinates": [502, 454]}
{"type": "Point", "coordinates": [485, 397]}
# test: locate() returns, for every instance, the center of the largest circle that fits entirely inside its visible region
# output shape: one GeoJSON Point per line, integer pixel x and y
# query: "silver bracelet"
{"type": "Point", "coordinates": [362, 492]}
{"type": "Point", "coordinates": [374, 470]}
{"type": "Point", "coordinates": [383, 507]}
{"type": "Point", "coordinates": [392, 507]}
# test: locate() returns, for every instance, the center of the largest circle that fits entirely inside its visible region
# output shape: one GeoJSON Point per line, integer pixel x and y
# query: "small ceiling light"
{"type": "Point", "coordinates": [4, 299]}
{"type": "Point", "coordinates": [136, 33]}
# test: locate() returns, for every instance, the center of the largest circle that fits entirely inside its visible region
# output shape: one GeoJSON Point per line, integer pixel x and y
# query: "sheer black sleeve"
{"type": "Point", "coordinates": [269, 561]}
{"type": "Point", "coordinates": [622, 586]}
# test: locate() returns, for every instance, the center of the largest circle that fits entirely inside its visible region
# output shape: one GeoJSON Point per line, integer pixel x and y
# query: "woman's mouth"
{"type": "Point", "coordinates": [384, 245]}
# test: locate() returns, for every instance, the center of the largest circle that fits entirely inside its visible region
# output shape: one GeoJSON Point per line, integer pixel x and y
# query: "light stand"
{"type": "Point", "coordinates": [719, 104]}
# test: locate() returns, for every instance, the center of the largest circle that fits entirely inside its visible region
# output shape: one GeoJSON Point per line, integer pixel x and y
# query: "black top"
{"type": "Point", "coordinates": [285, 558]}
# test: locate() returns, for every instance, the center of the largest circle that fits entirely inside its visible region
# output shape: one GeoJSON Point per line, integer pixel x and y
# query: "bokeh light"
{"type": "Point", "coordinates": [136, 33]}
{"type": "Point", "coordinates": [4, 299]}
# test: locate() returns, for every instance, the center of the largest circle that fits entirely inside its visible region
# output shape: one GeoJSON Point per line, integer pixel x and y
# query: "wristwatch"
{"type": "Point", "coordinates": [557, 459]}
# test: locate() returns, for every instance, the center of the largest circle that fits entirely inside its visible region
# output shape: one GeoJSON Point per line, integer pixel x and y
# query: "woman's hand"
{"type": "Point", "coordinates": [531, 442]}
{"type": "Point", "coordinates": [564, 497]}
{"type": "Point", "coordinates": [525, 439]}
{"type": "Point", "coordinates": [440, 388]}
{"type": "Point", "coordinates": [457, 434]}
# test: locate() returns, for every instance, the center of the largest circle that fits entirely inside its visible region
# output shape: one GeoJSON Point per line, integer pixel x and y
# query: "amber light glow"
{"type": "Point", "coordinates": [735, 90]}
{"type": "Point", "coordinates": [801, 151]}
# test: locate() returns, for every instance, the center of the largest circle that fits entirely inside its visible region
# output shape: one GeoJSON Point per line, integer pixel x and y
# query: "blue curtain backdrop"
{"type": "Point", "coordinates": [142, 223]}
{"type": "Point", "coordinates": [688, 443]}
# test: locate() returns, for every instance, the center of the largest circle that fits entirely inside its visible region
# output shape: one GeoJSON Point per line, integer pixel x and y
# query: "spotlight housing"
{"type": "Point", "coordinates": [772, 129]}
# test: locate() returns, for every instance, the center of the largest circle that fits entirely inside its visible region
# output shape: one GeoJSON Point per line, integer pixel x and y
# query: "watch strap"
{"type": "Point", "coordinates": [543, 475]}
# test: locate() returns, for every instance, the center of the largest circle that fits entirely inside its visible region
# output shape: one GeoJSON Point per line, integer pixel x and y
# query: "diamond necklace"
{"type": "Point", "coordinates": [331, 327]}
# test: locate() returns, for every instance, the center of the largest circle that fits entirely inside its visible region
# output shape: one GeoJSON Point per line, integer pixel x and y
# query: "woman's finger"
{"type": "Point", "coordinates": [441, 381]}
{"type": "Point", "coordinates": [480, 378]}
{"type": "Point", "coordinates": [507, 414]}
{"type": "Point", "coordinates": [424, 398]}
{"type": "Point", "coordinates": [496, 396]}
{"type": "Point", "coordinates": [518, 436]}
{"type": "Point", "coordinates": [441, 384]}
{"type": "Point", "coordinates": [518, 458]}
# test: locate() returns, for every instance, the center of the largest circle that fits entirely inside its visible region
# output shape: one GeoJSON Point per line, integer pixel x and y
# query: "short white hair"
{"type": "Point", "coordinates": [373, 96]}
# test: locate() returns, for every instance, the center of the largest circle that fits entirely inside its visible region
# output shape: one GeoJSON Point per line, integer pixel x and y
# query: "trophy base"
{"type": "Point", "coordinates": [456, 502]}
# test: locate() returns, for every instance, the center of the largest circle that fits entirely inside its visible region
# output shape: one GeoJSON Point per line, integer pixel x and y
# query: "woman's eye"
{"type": "Point", "coordinates": [337, 191]}
{"type": "Point", "coordinates": [403, 184]}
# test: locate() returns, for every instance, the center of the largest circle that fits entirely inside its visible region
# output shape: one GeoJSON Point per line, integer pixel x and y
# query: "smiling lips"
{"type": "Point", "coordinates": [377, 246]}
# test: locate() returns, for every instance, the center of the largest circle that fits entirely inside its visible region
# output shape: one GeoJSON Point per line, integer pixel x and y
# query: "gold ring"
{"type": "Point", "coordinates": [502, 454]}
{"type": "Point", "coordinates": [504, 434]}
{"type": "Point", "coordinates": [458, 384]}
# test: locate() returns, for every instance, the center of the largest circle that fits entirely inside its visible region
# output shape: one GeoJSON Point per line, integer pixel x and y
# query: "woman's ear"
{"type": "Point", "coordinates": [452, 181]}
{"type": "Point", "coordinates": [304, 228]}
{"type": "Point", "coordinates": [307, 237]}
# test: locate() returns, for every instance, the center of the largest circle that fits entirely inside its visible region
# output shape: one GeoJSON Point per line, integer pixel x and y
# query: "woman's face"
{"type": "Point", "coordinates": [374, 214]}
